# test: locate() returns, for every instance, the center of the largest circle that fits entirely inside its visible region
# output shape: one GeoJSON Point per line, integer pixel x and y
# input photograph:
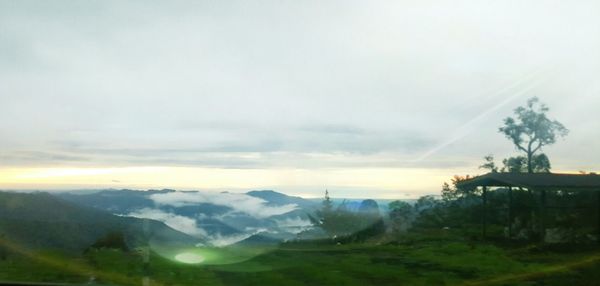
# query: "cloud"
{"type": "Point", "coordinates": [238, 202]}
{"type": "Point", "coordinates": [177, 222]}
{"type": "Point", "coordinates": [294, 225]}
{"type": "Point", "coordinates": [219, 240]}
{"type": "Point", "coordinates": [188, 225]}
{"type": "Point", "coordinates": [26, 158]}
{"type": "Point", "coordinates": [263, 85]}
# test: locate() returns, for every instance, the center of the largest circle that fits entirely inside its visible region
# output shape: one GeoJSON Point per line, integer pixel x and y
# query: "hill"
{"type": "Point", "coordinates": [114, 201]}
{"type": "Point", "coordinates": [41, 220]}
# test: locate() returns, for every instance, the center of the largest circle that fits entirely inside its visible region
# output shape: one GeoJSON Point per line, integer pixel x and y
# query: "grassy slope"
{"type": "Point", "coordinates": [420, 262]}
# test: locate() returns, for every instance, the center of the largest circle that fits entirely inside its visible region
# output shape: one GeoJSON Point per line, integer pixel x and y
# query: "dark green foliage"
{"type": "Point", "coordinates": [430, 213]}
{"type": "Point", "coordinates": [401, 216]}
{"type": "Point", "coordinates": [112, 240]}
{"type": "Point", "coordinates": [516, 164]}
{"type": "Point", "coordinates": [539, 164]}
{"type": "Point", "coordinates": [345, 225]}
{"type": "Point", "coordinates": [457, 208]}
{"type": "Point", "coordinates": [3, 248]}
{"type": "Point", "coordinates": [342, 223]}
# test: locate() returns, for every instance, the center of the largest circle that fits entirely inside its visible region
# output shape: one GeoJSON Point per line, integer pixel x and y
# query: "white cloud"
{"type": "Point", "coordinates": [177, 222]}
{"type": "Point", "coordinates": [294, 225]}
{"type": "Point", "coordinates": [239, 202]}
{"type": "Point", "coordinates": [188, 225]}
{"type": "Point", "coordinates": [219, 240]}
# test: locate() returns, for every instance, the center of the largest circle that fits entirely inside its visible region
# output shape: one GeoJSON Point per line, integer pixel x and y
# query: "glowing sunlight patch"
{"type": "Point", "coordinates": [189, 258]}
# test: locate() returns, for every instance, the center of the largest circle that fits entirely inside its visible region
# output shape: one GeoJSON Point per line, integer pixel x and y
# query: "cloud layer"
{"type": "Point", "coordinates": [177, 222]}
{"type": "Point", "coordinates": [238, 202]}
{"type": "Point", "coordinates": [313, 85]}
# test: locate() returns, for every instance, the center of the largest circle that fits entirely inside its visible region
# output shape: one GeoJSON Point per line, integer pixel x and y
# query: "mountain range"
{"type": "Point", "coordinates": [75, 220]}
{"type": "Point", "coordinates": [218, 219]}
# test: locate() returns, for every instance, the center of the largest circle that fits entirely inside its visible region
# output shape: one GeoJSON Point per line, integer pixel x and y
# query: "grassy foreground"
{"type": "Point", "coordinates": [411, 262]}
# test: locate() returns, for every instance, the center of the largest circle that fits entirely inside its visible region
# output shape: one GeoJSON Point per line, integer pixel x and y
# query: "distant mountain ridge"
{"type": "Point", "coordinates": [275, 198]}
{"type": "Point", "coordinates": [115, 201]}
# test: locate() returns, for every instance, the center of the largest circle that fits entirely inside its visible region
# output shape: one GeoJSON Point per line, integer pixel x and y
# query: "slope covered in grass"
{"type": "Point", "coordinates": [420, 262]}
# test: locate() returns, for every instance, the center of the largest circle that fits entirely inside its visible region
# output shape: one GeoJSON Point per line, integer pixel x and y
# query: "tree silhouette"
{"type": "Point", "coordinates": [489, 164]}
{"type": "Point", "coordinates": [531, 130]}
{"type": "Point", "coordinates": [343, 224]}
{"type": "Point", "coordinates": [327, 204]}
{"type": "Point", "coordinates": [539, 164]}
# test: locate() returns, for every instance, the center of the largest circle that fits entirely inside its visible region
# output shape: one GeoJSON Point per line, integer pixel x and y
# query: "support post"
{"type": "Point", "coordinates": [543, 216]}
{"type": "Point", "coordinates": [598, 222]}
{"type": "Point", "coordinates": [532, 210]}
{"type": "Point", "coordinates": [510, 212]}
{"type": "Point", "coordinates": [484, 215]}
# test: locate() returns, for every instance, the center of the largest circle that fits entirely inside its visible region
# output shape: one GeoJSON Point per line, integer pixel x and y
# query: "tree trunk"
{"type": "Point", "coordinates": [529, 157]}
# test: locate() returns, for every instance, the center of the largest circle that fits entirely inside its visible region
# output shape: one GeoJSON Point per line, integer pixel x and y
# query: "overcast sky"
{"type": "Point", "coordinates": [367, 98]}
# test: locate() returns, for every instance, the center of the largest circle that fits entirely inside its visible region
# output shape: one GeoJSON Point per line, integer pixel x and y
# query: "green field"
{"type": "Point", "coordinates": [433, 260]}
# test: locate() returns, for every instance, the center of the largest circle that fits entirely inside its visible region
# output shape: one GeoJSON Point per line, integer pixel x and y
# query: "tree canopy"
{"type": "Point", "coordinates": [530, 130]}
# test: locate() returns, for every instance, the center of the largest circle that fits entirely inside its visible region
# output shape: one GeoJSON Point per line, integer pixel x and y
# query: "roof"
{"type": "Point", "coordinates": [534, 181]}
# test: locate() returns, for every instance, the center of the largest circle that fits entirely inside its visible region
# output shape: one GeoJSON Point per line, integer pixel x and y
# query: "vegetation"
{"type": "Point", "coordinates": [530, 131]}
{"type": "Point", "coordinates": [401, 216]}
{"type": "Point", "coordinates": [112, 240]}
{"type": "Point", "coordinates": [41, 220]}
{"type": "Point", "coordinates": [572, 218]}
{"type": "Point", "coordinates": [343, 225]}
{"type": "Point", "coordinates": [440, 257]}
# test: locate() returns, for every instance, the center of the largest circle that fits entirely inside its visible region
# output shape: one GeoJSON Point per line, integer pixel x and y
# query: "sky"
{"type": "Point", "coordinates": [382, 99]}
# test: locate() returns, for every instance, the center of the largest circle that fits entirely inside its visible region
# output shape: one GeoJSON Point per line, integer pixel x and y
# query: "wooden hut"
{"type": "Point", "coordinates": [539, 183]}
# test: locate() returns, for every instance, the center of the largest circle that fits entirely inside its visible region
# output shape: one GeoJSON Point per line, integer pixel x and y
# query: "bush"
{"type": "Point", "coordinates": [112, 240]}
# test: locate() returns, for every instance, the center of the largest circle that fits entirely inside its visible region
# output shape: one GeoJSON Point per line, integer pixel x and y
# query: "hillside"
{"type": "Point", "coordinates": [41, 220]}
{"type": "Point", "coordinates": [114, 201]}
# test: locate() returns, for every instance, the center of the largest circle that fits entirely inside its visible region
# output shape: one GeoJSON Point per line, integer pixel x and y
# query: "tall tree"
{"type": "Point", "coordinates": [327, 204]}
{"type": "Point", "coordinates": [531, 129]}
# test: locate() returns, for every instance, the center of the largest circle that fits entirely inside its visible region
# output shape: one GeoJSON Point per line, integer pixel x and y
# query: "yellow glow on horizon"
{"type": "Point", "coordinates": [392, 180]}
